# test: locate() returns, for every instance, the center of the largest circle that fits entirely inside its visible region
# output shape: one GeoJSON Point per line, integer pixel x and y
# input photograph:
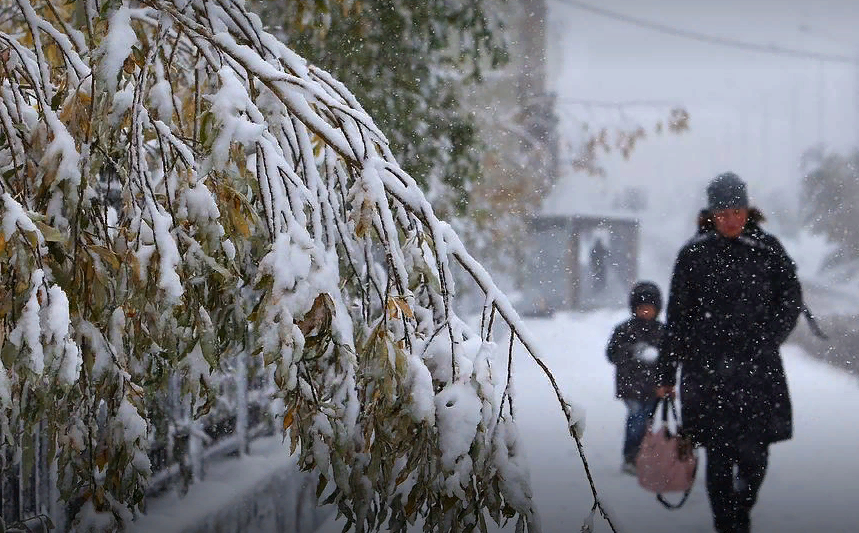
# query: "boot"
{"type": "Point", "coordinates": [721, 527]}
{"type": "Point", "coordinates": [743, 524]}
{"type": "Point", "coordinates": [727, 520]}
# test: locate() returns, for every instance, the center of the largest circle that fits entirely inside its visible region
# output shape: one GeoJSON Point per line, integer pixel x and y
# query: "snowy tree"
{"type": "Point", "coordinates": [179, 186]}
{"type": "Point", "coordinates": [408, 62]}
{"type": "Point", "coordinates": [830, 189]}
{"type": "Point", "coordinates": [617, 128]}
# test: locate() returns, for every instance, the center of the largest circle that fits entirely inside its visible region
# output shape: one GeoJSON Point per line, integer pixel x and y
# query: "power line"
{"type": "Point", "coordinates": [586, 102]}
{"type": "Point", "coordinates": [616, 104]}
{"type": "Point", "coordinates": [711, 39]}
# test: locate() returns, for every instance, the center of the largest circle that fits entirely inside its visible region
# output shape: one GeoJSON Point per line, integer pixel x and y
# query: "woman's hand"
{"type": "Point", "coordinates": [663, 391]}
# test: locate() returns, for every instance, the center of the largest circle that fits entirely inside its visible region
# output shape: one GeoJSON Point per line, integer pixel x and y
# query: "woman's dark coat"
{"type": "Point", "coordinates": [635, 379]}
{"type": "Point", "coordinates": [732, 303]}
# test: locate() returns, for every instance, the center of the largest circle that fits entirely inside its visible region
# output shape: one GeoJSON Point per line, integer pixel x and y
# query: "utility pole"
{"type": "Point", "coordinates": [793, 104]}
{"type": "Point", "coordinates": [821, 83]}
{"type": "Point", "coordinates": [531, 90]}
{"type": "Point", "coordinates": [821, 103]}
{"type": "Point", "coordinates": [856, 100]}
{"type": "Point", "coordinates": [765, 145]}
{"type": "Point", "coordinates": [532, 76]}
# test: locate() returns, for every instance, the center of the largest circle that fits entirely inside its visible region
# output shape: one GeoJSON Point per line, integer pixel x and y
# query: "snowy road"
{"type": "Point", "coordinates": [811, 485]}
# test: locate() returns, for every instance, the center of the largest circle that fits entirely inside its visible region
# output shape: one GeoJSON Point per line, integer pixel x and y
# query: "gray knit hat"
{"type": "Point", "coordinates": [727, 191]}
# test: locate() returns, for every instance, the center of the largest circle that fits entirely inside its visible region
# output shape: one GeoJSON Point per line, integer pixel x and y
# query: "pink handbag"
{"type": "Point", "coordinates": [666, 461]}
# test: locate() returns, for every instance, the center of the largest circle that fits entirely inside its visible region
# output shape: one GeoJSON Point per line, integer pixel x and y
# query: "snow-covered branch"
{"type": "Point", "coordinates": [178, 184]}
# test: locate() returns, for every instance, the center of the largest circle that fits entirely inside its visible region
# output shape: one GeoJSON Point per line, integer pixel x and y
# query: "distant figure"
{"type": "Point", "coordinates": [634, 350]}
{"type": "Point", "coordinates": [599, 259]}
{"type": "Point", "coordinates": [734, 299]}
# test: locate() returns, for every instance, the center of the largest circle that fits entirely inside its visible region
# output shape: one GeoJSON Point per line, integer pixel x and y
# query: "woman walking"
{"type": "Point", "coordinates": [734, 299]}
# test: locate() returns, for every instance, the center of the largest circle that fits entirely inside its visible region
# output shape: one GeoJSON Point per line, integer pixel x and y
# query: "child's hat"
{"type": "Point", "coordinates": [645, 292]}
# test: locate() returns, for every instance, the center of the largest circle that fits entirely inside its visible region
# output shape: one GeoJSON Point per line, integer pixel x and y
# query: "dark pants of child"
{"type": "Point", "coordinates": [732, 496]}
{"type": "Point", "coordinates": [637, 417]}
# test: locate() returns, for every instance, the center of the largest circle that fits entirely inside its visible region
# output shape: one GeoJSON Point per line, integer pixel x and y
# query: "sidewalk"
{"type": "Point", "coordinates": [261, 492]}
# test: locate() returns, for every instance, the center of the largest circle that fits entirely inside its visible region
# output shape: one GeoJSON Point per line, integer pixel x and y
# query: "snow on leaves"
{"type": "Point", "coordinates": [179, 186]}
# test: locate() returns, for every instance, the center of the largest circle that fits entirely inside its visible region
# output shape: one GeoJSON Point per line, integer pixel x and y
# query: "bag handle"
{"type": "Point", "coordinates": [812, 323]}
{"type": "Point", "coordinates": [668, 402]}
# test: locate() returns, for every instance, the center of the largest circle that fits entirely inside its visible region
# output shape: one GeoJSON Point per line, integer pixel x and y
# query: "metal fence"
{"type": "Point", "coordinates": [841, 349]}
{"type": "Point", "coordinates": [180, 447]}
{"type": "Point", "coordinates": [28, 484]}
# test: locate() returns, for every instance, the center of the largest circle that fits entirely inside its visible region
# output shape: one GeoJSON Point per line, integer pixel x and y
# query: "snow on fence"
{"type": "Point", "coordinates": [27, 485]}
{"type": "Point", "coordinates": [840, 349]}
{"type": "Point", "coordinates": [837, 312]}
{"type": "Point", "coordinates": [180, 447]}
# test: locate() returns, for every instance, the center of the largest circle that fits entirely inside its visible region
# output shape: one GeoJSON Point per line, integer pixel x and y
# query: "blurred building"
{"type": "Point", "coordinates": [579, 262]}
{"type": "Point", "coordinates": [517, 127]}
{"type": "Point", "coordinates": [565, 256]}
{"type": "Point", "coordinates": [584, 245]}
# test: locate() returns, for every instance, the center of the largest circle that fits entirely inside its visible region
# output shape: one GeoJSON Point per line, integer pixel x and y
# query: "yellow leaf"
{"type": "Point", "coordinates": [33, 239]}
{"type": "Point", "coordinates": [412, 501]}
{"type": "Point", "coordinates": [50, 233]}
{"type": "Point", "coordinates": [404, 475]}
{"type": "Point", "coordinates": [238, 209]}
{"type": "Point", "coordinates": [99, 498]}
{"type": "Point", "coordinates": [136, 395]}
{"type": "Point", "coordinates": [319, 317]}
{"type": "Point", "coordinates": [398, 305]}
{"type": "Point", "coordinates": [289, 418]}
{"type": "Point", "coordinates": [239, 222]}
{"type": "Point", "coordinates": [293, 435]}
{"type": "Point", "coordinates": [106, 255]}
{"type": "Point", "coordinates": [135, 267]}
{"type": "Point", "coordinates": [368, 440]}
{"type": "Point", "coordinates": [404, 307]}
{"type": "Point", "coordinates": [101, 459]}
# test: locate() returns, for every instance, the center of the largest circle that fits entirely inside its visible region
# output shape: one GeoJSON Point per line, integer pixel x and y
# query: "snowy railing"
{"type": "Point", "coordinates": [28, 494]}
{"type": "Point", "coordinates": [37, 524]}
{"type": "Point", "coordinates": [180, 456]}
{"type": "Point", "coordinates": [840, 349]}
{"type": "Point", "coordinates": [27, 483]}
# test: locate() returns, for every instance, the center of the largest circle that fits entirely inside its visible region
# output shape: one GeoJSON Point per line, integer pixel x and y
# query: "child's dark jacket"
{"type": "Point", "coordinates": [636, 378]}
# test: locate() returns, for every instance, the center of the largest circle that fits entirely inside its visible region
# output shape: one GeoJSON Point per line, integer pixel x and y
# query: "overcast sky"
{"type": "Point", "coordinates": [753, 113]}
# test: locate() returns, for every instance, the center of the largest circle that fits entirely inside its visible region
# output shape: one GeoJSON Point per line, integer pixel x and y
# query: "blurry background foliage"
{"type": "Point", "coordinates": [407, 62]}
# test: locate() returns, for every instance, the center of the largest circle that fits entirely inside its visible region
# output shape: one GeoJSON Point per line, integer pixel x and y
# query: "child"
{"type": "Point", "coordinates": [634, 350]}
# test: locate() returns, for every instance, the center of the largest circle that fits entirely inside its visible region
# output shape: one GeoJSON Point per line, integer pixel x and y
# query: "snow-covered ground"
{"type": "Point", "coordinates": [810, 486]}
{"type": "Point", "coordinates": [263, 492]}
